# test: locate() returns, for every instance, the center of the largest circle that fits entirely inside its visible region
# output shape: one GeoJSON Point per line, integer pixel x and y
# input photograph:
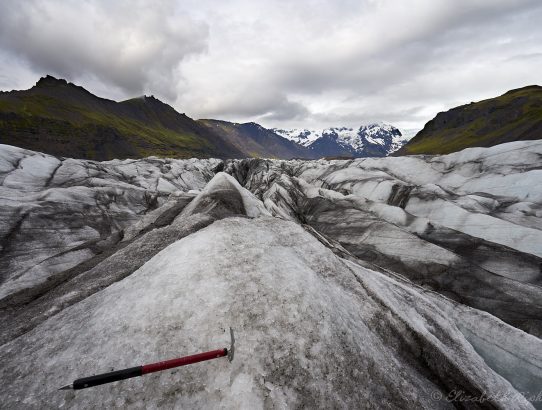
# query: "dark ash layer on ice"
{"type": "Point", "coordinates": [344, 282]}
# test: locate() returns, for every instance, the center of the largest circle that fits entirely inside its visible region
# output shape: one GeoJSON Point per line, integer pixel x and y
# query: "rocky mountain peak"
{"type": "Point", "coordinates": [50, 81]}
{"type": "Point", "coordinates": [375, 139]}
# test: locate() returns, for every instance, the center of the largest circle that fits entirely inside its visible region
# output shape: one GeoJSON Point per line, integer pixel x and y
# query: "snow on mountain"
{"type": "Point", "coordinates": [408, 282]}
{"type": "Point", "coordinates": [299, 135]}
{"type": "Point", "coordinates": [368, 140]}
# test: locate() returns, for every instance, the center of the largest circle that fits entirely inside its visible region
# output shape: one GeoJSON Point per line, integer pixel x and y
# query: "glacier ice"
{"type": "Point", "coordinates": [346, 284]}
{"type": "Point", "coordinates": [57, 213]}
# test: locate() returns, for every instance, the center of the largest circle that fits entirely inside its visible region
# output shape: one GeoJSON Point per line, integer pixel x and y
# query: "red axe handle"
{"type": "Point", "coordinates": [117, 375]}
{"type": "Point", "coordinates": [183, 361]}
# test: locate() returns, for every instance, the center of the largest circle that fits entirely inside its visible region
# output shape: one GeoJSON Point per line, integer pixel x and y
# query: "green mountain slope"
{"type": "Point", "coordinates": [257, 141]}
{"type": "Point", "coordinates": [515, 115]}
{"type": "Point", "coordinates": [60, 118]}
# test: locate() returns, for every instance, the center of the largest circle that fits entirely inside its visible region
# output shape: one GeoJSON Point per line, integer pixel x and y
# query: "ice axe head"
{"type": "Point", "coordinates": [231, 350]}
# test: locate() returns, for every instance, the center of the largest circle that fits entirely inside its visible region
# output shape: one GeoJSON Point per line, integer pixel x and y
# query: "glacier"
{"type": "Point", "coordinates": [404, 282]}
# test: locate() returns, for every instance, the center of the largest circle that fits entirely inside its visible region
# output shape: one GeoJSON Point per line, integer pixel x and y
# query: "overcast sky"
{"type": "Point", "coordinates": [280, 63]}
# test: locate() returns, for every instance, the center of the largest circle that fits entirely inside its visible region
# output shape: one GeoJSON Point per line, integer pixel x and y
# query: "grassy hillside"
{"type": "Point", "coordinates": [516, 115]}
{"type": "Point", "coordinates": [63, 119]}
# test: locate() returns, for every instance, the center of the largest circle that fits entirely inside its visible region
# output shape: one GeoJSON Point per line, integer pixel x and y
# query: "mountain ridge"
{"type": "Point", "coordinates": [64, 119]}
{"type": "Point", "coordinates": [370, 140]}
{"type": "Point", "coordinates": [252, 137]}
{"type": "Point", "coordinates": [513, 116]}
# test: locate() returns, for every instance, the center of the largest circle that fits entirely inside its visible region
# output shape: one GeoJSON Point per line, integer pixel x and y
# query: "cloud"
{"type": "Point", "coordinates": [287, 111]}
{"type": "Point", "coordinates": [133, 45]}
{"type": "Point", "coordinates": [351, 61]}
{"type": "Point", "coordinates": [248, 99]}
{"type": "Point", "coordinates": [369, 116]}
{"type": "Point", "coordinates": [309, 63]}
{"type": "Point", "coordinates": [529, 56]}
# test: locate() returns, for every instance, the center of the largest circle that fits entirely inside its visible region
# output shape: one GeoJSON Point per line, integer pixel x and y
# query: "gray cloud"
{"type": "Point", "coordinates": [306, 63]}
{"type": "Point", "coordinates": [394, 61]}
{"type": "Point", "coordinates": [133, 45]}
{"type": "Point", "coordinates": [530, 56]}
{"type": "Point", "coordinates": [251, 100]}
{"type": "Point", "coordinates": [287, 111]}
{"type": "Point", "coordinates": [439, 38]}
{"type": "Point", "coordinates": [369, 115]}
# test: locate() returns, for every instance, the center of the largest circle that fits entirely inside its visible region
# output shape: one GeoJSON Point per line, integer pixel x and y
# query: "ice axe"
{"type": "Point", "coordinates": [137, 371]}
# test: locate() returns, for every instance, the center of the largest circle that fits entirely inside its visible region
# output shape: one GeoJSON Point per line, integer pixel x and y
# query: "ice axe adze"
{"type": "Point", "coordinates": [117, 375]}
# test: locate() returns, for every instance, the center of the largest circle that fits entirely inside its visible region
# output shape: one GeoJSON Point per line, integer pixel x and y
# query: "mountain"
{"type": "Point", "coordinates": [515, 115]}
{"type": "Point", "coordinates": [257, 141]}
{"type": "Point", "coordinates": [400, 282]}
{"type": "Point", "coordinates": [373, 140]}
{"type": "Point", "coordinates": [63, 119]}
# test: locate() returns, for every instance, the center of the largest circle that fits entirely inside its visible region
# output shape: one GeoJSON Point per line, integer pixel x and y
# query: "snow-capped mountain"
{"type": "Point", "coordinates": [372, 140]}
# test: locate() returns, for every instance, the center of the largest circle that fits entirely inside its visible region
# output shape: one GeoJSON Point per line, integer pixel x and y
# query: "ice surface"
{"type": "Point", "coordinates": [372, 283]}
{"type": "Point", "coordinates": [312, 330]}
{"type": "Point", "coordinates": [441, 221]}
{"type": "Point", "coordinates": [57, 213]}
